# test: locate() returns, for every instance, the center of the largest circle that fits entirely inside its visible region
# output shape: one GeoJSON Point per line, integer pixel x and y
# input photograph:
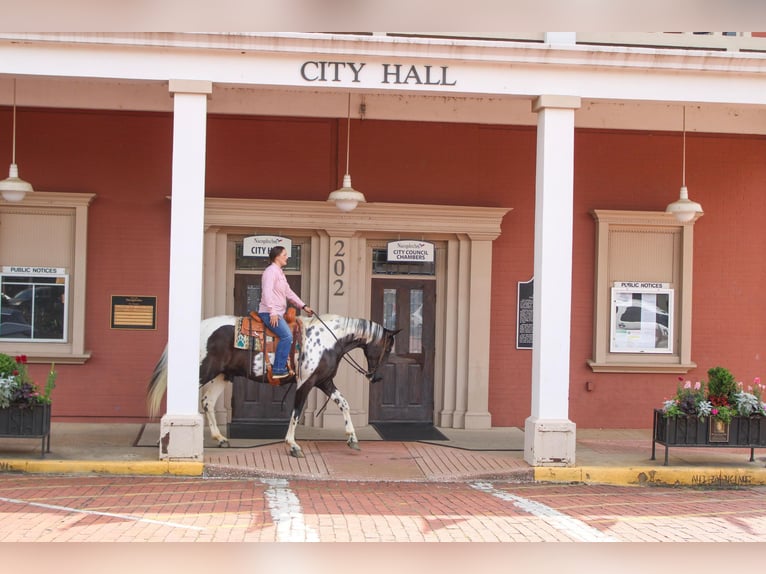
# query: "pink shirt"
{"type": "Point", "coordinates": [275, 291]}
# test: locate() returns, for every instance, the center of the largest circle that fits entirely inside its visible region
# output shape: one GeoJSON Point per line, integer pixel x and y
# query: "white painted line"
{"type": "Point", "coordinates": [97, 513]}
{"type": "Point", "coordinates": [286, 512]}
{"type": "Point", "coordinates": [571, 526]}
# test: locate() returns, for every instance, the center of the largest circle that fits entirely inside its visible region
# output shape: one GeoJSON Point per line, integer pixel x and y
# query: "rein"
{"type": "Point", "coordinates": [345, 357]}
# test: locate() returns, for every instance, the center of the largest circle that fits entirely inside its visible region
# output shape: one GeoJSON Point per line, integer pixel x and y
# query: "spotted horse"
{"type": "Point", "coordinates": [326, 341]}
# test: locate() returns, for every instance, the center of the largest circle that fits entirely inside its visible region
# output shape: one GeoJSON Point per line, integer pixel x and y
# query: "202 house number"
{"type": "Point", "coordinates": [339, 267]}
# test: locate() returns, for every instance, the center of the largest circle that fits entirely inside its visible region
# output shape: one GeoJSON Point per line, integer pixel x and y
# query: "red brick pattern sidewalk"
{"type": "Point", "coordinates": [128, 509]}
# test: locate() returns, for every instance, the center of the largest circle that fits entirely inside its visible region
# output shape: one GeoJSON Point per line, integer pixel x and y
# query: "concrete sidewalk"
{"type": "Point", "coordinates": [621, 457]}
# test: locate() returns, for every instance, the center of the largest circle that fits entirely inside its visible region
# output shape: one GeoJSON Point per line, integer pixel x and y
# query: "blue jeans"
{"type": "Point", "coordinates": [282, 330]}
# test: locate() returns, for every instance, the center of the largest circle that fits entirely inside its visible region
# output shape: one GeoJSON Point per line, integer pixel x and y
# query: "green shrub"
{"type": "Point", "coordinates": [7, 365]}
{"type": "Point", "coordinates": [721, 383]}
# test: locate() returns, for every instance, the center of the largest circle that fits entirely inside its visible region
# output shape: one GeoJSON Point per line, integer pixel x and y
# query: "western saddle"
{"type": "Point", "coordinates": [253, 327]}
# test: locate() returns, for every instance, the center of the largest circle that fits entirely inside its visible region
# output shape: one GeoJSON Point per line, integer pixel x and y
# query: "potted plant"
{"type": "Point", "coordinates": [25, 411]}
{"type": "Point", "coordinates": [717, 413]}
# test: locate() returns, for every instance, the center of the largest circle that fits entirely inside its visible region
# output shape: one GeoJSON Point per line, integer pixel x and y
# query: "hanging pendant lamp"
{"type": "Point", "coordinates": [684, 209]}
{"type": "Point", "coordinates": [13, 188]}
{"type": "Point", "coordinates": [347, 198]}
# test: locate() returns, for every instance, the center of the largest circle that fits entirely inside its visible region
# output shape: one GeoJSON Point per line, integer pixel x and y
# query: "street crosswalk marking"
{"type": "Point", "coordinates": [286, 512]}
{"type": "Point", "coordinates": [560, 521]}
{"type": "Point", "coordinates": [98, 513]}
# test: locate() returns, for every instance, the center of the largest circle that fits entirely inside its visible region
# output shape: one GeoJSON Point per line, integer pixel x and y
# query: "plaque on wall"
{"type": "Point", "coordinates": [133, 312]}
{"type": "Point", "coordinates": [524, 317]}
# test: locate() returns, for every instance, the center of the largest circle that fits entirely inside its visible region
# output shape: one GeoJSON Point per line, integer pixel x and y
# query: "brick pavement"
{"type": "Point", "coordinates": [119, 509]}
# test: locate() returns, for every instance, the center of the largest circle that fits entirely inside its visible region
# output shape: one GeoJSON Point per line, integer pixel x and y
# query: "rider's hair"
{"type": "Point", "coordinates": [275, 251]}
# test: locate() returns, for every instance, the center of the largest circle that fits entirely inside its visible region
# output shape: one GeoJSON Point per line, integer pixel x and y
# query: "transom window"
{"type": "Point", "coordinates": [382, 266]}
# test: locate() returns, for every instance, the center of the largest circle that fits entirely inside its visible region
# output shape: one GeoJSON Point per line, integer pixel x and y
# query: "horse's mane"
{"type": "Point", "coordinates": [342, 326]}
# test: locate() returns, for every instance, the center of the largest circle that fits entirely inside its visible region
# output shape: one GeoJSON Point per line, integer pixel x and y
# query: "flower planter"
{"type": "Point", "coordinates": [32, 422]}
{"type": "Point", "coordinates": [741, 432]}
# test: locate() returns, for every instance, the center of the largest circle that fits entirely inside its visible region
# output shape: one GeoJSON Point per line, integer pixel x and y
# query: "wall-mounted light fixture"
{"type": "Point", "coordinates": [347, 198]}
{"type": "Point", "coordinates": [13, 188]}
{"type": "Point", "coordinates": [684, 209]}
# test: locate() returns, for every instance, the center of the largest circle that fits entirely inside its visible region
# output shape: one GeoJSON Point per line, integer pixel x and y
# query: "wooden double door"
{"type": "Point", "coordinates": [406, 393]}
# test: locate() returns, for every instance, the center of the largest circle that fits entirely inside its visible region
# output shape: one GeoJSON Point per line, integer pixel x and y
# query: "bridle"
{"type": "Point", "coordinates": [350, 360]}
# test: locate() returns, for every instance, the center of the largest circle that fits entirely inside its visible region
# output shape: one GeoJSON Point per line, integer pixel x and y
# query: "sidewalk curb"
{"type": "Point", "coordinates": [653, 476]}
{"type": "Point", "coordinates": [141, 467]}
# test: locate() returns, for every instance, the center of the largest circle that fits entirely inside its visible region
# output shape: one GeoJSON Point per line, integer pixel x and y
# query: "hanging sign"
{"type": "Point", "coordinates": [409, 250]}
{"type": "Point", "coordinates": [524, 317]}
{"type": "Point", "coordinates": [260, 245]}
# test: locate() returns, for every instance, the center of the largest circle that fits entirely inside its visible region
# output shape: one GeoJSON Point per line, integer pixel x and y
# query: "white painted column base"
{"type": "Point", "coordinates": [477, 421]}
{"type": "Point", "coordinates": [181, 437]}
{"type": "Point", "coordinates": [549, 442]}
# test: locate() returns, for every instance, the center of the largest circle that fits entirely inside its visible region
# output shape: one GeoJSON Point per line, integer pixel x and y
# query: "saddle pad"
{"type": "Point", "coordinates": [242, 340]}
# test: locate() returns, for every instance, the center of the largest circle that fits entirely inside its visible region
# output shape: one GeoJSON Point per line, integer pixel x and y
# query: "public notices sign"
{"type": "Point", "coordinates": [524, 318]}
{"type": "Point", "coordinates": [410, 250]}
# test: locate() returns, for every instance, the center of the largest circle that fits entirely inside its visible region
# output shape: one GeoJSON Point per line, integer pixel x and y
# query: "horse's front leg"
{"type": "Point", "coordinates": [301, 393]}
{"type": "Point", "coordinates": [211, 392]}
{"type": "Point", "coordinates": [337, 397]}
{"type": "Point", "coordinates": [295, 449]}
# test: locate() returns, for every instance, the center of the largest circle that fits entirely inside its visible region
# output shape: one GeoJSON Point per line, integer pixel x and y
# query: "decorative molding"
{"type": "Point", "coordinates": [627, 367]}
{"type": "Point", "coordinates": [39, 199]}
{"type": "Point", "coordinates": [482, 223]}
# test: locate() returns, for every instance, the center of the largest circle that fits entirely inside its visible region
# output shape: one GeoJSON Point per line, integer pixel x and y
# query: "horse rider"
{"type": "Point", "coordinates": [275, 292]}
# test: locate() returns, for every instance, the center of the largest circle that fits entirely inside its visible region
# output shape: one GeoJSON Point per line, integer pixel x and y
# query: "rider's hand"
{"type": "Point", "coordinates": [274, 320]}
{"type": "Point", "coordinates": [309, 310]}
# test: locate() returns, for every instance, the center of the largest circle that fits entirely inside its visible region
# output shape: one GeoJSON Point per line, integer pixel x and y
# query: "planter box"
{"type": "Point", "coordinates": [27, 423]}
{"type": "Point", "coordinates": [742, 432]}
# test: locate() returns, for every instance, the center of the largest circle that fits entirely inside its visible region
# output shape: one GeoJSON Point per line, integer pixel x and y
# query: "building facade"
{"type": "Point", "coordinates": [560, 294]}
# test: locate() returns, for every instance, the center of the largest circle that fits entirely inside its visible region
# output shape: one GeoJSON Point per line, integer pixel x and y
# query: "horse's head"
{"type": "Point", "coordinates": [377, 353]}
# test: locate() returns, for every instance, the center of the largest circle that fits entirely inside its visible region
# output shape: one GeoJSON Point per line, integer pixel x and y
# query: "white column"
{"type": "Point", "coordinates": [477, 415]}
{"type": "Point", "coordinates": [181, 434]}
{"type": "Point", "coordinates": [549, 437]}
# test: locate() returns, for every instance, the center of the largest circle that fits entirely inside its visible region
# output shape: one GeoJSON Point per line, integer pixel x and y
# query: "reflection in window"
{"type": "Point", "coordinates": [389, 308]}
{"type": "Point", "coordinates": [416, 320]}
{"type": "Point", "coordinates": [33, 307]}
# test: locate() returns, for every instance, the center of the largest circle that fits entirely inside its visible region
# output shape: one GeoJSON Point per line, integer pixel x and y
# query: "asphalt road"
{"type": "Point", "coordinates": [44, 508]}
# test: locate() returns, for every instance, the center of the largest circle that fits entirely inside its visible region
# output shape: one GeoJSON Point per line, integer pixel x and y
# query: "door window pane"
{"type": "Point", "coordinates": [416, 320]}
{"type": "Point", "coordinates": [389, 309]}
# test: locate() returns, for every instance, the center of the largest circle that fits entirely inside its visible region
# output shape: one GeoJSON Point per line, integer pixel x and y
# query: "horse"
{"type": "Point", "coordinates": [326, 340]}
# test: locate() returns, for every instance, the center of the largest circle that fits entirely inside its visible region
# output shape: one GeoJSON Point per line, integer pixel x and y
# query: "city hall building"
{"type": "Point", "coordinates": [513, 221]}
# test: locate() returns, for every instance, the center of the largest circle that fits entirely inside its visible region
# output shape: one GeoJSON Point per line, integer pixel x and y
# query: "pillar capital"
{"type": "Point", "coordinates": [190, 87]}
{"type": "Point", "coordinates": [556, 101]}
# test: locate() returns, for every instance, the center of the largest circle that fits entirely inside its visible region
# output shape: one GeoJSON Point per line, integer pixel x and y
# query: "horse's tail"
{"type": "Point", "coordinates": [157, 385]}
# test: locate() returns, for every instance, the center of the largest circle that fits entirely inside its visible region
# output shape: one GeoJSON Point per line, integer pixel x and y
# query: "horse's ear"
{"type": "Point", "coordinates": [396, 332]}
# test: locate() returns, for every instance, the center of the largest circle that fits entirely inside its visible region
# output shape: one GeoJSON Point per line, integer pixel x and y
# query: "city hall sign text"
{"type": "Point", "coordinates": [399, 74]}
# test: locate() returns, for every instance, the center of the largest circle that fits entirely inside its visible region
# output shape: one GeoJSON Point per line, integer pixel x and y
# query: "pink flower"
{"type": "Point", "coordinates": [697, 386]}
{"type": "Point", "coordinates": [688, 385]}
{"type": "Point", "coordinates": [714, 412]}
{"type": "Point", "coordinates": [757, 381]}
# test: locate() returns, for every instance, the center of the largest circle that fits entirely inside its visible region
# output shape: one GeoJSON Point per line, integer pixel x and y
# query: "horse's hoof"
{"type": "Point", "coordinates": [353, 444]}
{"type": "Point", "coordinates": [223, 443]}
{"type": "Point", "coordinates": [296, 452]}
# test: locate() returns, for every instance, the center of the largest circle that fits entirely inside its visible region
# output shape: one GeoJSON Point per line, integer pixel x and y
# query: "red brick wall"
{"type": "Point", "coordinates": [125, 159]}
